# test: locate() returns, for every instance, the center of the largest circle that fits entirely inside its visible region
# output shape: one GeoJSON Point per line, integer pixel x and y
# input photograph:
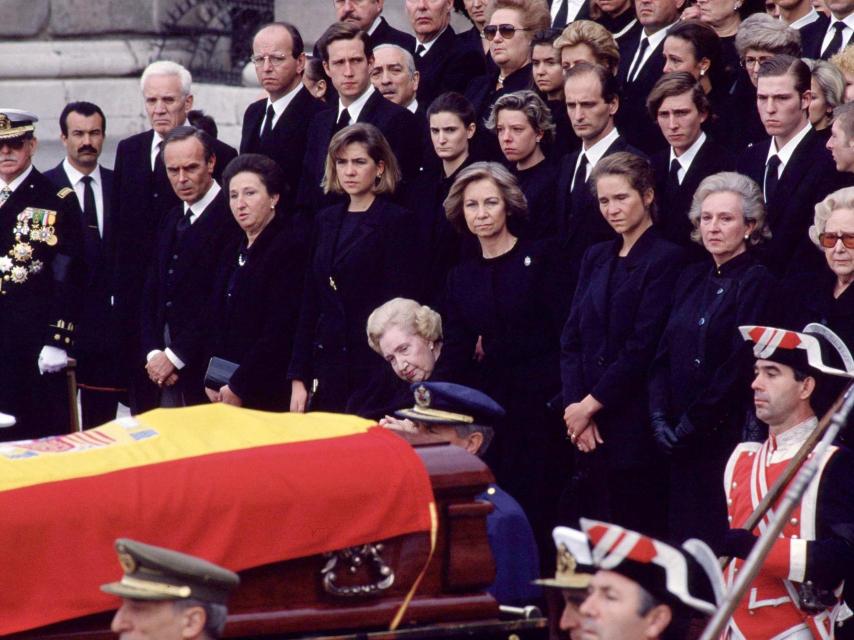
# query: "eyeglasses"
{"type": "Point", "coordinates": [829, 240]}
{"type": "Point", "coordinates": [749, 62]}
{"type": "Point", "coordinates": [277, 60]}
{"type": "Point", "coordinates": [507, 31]}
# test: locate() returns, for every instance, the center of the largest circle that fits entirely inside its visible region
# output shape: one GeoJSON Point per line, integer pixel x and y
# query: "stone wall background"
{"type": "Point", "coordinates": [57, 51]}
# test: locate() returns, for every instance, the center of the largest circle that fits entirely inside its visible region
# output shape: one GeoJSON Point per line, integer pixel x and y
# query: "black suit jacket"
{"type": "Point", "coordinates": [387, 34]}
{"type": "Point", "coordinates": [94, 343]}
{"type": "Point", "coordinates": [194, 265]}
{"type": "Point", "coordinates": [809, 176]}
{"type": "Point", "coordinates": [674, 201]}
{"type": "Point", "coordinates": [610, 339]}
{"type": "Point", "coordinates": [342, 287]}
{"type": "Point", "coordinates": [140, 201]}
{"type": "Point", "coordinates": [812, 36]}
{"type": "Point", "coordinates": [580, 223]}
{"type": "Point", "coordinates": [399, 126]}
{"type": "Point", "coordinates": [287, 144]}
{"type": "Point", "coordinates": [449, 65]}
{"type": "Point", "coordinates": [633, 120]}
{"type": "Point", "coordinates": [253, 313]}
{"type": "Point", "coordinates": [583, 14]}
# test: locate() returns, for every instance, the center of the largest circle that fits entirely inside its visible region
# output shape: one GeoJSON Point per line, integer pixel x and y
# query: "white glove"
{"type": "Point", "coordinates": [52, 359]}
{"type": "Point", "coordinates": [6, 420]}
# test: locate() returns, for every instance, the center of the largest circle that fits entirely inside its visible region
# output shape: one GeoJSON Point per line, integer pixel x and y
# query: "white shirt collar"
{"type": "Point", "coordinates": [75, 176]}
{"type": "Point", "coordinates": [572, 9]}
{"type": "Point", "coordinates": [357, 105]}
{"type": "Point", "coordinates": [155, 147]}
{"type": "Point", "coordinates": [784, 446]}
{"type": "Point", "coordinates": [413, 106]}
{"type": "Point", "coordinates": [803, 21]}
{"type": "Point", "coordinates": [848, 21]}
{"type": "Point", "coordinates": [280, 105]}
{"type": "Point", "coordinates": [594, 154]}
{"type": "Point", "coordinates": [654, 40]}
{"type": "Point", "coordinates": [788, 149]}
{"type": "Point", "coordinates": [17, 181]}
{"type": "Point", "coordinates": [687, 158]}
{"type": "Point", "coordinates": [374, 25]}
{"type": "Point", "coordinates": [429, 44]}
{"type": "Point", "coordinates": [200, 206]}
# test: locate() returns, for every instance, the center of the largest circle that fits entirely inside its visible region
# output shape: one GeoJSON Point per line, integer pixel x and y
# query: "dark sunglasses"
{"type": "Point", "coordinates": [507, 31]}
{"type": "Point", "coordinates": [829, 240]}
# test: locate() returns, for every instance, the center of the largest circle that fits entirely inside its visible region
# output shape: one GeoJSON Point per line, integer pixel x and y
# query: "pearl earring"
{"type": "Point", "coordinates": [747, 236]}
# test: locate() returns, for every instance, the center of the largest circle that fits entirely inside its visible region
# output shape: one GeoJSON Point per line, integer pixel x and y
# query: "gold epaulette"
{"type": "Point", "coordinates": [64, 192]}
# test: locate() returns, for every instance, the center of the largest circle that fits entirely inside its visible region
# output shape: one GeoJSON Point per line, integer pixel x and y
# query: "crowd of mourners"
{"type": "Point", "coordinates": [571, 207]}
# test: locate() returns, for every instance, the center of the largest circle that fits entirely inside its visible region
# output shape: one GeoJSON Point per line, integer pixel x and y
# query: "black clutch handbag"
{"type": "Point", "coordinates": [219, 373]}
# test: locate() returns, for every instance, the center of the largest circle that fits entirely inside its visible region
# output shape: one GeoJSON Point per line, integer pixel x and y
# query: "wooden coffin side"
{"type": "Point", "coordinates": [298, 597]}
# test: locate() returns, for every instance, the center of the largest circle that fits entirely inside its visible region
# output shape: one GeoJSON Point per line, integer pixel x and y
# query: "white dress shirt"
{"type": "Point", "coordinates": [75, 177]}
{"type": "Point", "coordinates": [594, 154]}
{"type": "Point", "coordinates": [687, 157]}
{"type": "Point", "coordinates": [279, 106]}
{"type": "Point", "coordinates": [355, 108]}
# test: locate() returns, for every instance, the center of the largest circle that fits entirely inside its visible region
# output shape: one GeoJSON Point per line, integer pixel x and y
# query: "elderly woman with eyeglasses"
{"type": "Point", "coordinates": [826, 297]}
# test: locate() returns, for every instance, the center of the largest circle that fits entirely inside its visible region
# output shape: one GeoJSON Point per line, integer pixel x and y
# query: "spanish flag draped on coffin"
{"type": "Point", "coordinates": [237, 487]}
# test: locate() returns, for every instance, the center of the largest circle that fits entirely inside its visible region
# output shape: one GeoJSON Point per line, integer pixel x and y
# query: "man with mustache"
{"type": "Point", "coordinates": [83, 129]}
{"type": "Point", "coordinates": [39, 267]}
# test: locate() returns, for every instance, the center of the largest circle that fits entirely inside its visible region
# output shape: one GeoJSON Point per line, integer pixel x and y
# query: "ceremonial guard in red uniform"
{"type": "Point", "coordinates": [39, 262]}
{"type": "Point", "coordinates": [798, 592]}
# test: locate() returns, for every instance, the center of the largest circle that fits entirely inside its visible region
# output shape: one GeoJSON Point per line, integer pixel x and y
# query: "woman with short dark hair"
{"type": "Point", "coordinates": [254, 306]}
{"type": "Point", "coordinates": [618, 312]}
{"type": "Point", "coordinates": [361, 254]}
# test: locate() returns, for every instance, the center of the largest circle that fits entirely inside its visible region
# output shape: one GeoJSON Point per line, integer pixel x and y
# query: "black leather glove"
{"type": "Point", "coordinates": [665, 436]}
{"type": "Point", "coordinates": [684, 431]}
{"type": "Point", "coordinates": [737, 543]}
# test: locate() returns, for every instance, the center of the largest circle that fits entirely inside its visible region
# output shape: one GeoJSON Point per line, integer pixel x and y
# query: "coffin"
{"type": "Point", "coordinates": [355, 589]}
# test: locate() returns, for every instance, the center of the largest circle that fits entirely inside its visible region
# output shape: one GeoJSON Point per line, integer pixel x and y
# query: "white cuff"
{"type": "Point", "coordinates": [179, 364]}
{"type": "Point", "coordinates": [797, 560]}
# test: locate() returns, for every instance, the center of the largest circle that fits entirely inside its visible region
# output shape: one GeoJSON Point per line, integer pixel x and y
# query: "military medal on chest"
{"type": "Point", "coordinates": [32, 226]}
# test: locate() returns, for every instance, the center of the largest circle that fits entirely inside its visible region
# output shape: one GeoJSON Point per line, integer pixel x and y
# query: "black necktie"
{"type": "Point", "coordinates": [90, 212]}
{"type": "Point", "coordinates": [561, 15]}
{"type": "Point", "coordinates": [673, 178]}
{"type": "Point", "coordinates": [835, 42]}
{"type": "Point", "coordinates": [343, 121]}
{"type": "Point", "coordinates": [159, 166]}
{"type": "Point", "coordinates": [771, 177]}
{"type": "Point", "coordinates": [268, 123]}
{"type": "Point", "coordinates": [644, 43]}
{"type": "Point", "coordinates": [579, 183]}
{"type": "Point", "coordinates": [184, 223]}
{"type": "Point", "coordinates": [419, 50]}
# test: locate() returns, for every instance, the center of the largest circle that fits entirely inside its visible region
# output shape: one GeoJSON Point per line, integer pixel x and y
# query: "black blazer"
{"type": "Point", "coordinates": [387, 34]}
{"type": "Point", "coordinates": [812, 36]}
{"type": "Point", "coordinates": [611, 336]}
{"type": "Point", "coordinates": [289, 138]}
{"type": "Point", "coordinates": [449, 65]}
{"type": "Point", "coordinates": [399, 126]}
{"type": "Point", "coordinates": [809, 176]}
{"type": "Point", "coordinates": [702, 372]}
{"type": "Point", "coordinates": [140, 201]}
{"type": "Point", "coordinates": [342, 288]}
{"type": "Point", "coordinates": [633, 119]}
{"type": "Point", "coordinates": [580, 223]}
{"type": "Point", "coordinates": [674, 201]}
{"type": "Point", "coordinates": [95, 309]}
{"type": "Point", "coordinates": [253, 313]}
{"type": "Point", "coordinates": [195, 266]}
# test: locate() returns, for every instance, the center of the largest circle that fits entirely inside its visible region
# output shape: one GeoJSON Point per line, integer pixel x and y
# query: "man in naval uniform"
{"type": "Point", "coordinates": [39, 273]}
{"type": "Point", "coordinates": [464, 417]}
{"type": "Point", "coordinates": [793, 596]}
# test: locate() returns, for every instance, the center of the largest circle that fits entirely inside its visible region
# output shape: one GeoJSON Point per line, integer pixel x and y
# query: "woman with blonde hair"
{"type": "Point", "coordinates": [355, 266]}
{"type": "Point", "coordinates": [588, 41]}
